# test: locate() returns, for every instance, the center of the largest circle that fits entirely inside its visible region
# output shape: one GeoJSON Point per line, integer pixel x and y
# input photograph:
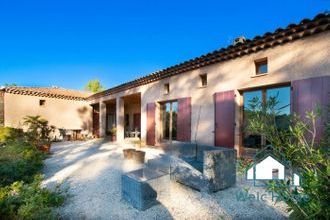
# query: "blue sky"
{"type": "Point", "coordinates": [66, 43]}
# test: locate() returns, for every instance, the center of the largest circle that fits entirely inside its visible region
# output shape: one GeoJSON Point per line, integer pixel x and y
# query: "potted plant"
{"type": "Point", "coordinates": [39, 132]}
{"type": "Point", "coordinates": [44, 146]}
{"type": "Point", "coordinates": [113, 133]}
{"type": "Point", "coordinates": [138, 143]}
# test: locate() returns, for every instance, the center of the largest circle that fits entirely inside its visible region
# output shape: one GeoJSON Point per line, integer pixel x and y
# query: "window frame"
{"type": "Point", "coordinates": [163, 120]}
{"type": "Point", "coordinates": [166, 88]}
{"type": "Point", "coordinates": [258, 63]}
{"type": "Point", "coordinates": [263, 90]}
{"type": "Point", "coordinates": [42, 102]}
{"type": "Point", "coordinates": [203, 77]}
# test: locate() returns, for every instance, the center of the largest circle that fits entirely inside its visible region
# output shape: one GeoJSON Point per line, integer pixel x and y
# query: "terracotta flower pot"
{"type": "Point", "coordinates": [139, 156]}
{"type": "Point", "coordinates": [128, 153]}
{"type": "Point", "coordinates": [44, 148]}
{"type": "Point", "coordinates": [113, 138]}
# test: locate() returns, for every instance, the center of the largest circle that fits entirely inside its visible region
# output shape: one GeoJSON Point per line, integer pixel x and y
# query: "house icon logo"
{"type": "Point", "coordinates": [268, 167]}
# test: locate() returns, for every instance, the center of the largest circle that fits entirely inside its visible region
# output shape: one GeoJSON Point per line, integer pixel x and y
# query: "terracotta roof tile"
{"type": "Point", "coordinates": [53, 92]}
{"type": "Point", "coordinates": [306, 27]}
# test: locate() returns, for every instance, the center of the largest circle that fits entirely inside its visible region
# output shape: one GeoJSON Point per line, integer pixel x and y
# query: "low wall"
{"type": "Point", "coordinates": [202, 167]}
{"type": "Point", "coordinates": [189, 149]}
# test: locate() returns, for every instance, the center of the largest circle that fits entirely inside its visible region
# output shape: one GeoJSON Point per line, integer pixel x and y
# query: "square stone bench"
{"type": "Point", "coordinates": [142, 187]}
{"type": "Point", "coordinates": [203, 167]}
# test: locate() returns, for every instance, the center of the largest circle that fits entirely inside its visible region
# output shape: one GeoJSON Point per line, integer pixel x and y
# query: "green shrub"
{"type": "Point", "coordinates": [29, 201]}
{"type": "Point", "coordinates": [243, 164]}
{"type": "Point", "coordinates": [308, 156]}
{"type": "Point", "coordinates": [8, 134]}
{"type": "Point", "coordinates": [38, 130]}
{"type": "Point", "coordinates": [19, 161]}
{"type": "Point", "coordinates": [21, 196]}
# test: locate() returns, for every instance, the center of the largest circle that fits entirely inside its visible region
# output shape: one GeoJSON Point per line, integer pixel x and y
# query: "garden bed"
{"type": "Point", "coordinates": [21, 194]}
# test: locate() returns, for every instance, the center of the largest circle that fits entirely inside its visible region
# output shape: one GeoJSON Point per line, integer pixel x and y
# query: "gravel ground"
{"type": "Point", "coordinates": [92, 171]}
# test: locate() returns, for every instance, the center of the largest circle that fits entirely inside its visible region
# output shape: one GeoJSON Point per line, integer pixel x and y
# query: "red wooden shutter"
{"type": "Point", "coordinates": [184, 120]}
{"type": "Point", "coordinates": [151, 123]}
{"type": "Point", "coordinates": [224, 119]}
{"type": "Point", "coordinates": [307, 94]}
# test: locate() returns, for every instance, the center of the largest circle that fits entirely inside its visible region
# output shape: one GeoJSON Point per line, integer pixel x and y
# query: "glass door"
{"type": "Point", "coordinates": [169, 112]}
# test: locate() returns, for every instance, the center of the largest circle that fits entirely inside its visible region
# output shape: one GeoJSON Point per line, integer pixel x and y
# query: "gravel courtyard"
{"type": "Point", "coordinates": [92, 171]}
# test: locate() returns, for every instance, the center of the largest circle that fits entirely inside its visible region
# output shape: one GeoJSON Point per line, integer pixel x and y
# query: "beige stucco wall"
{"type": "Point", "coordinates": [304, 58]}
{"type": "Point", "coordinates": [62, 113]}
{"type": "Point", "coordinates": [132, 109]}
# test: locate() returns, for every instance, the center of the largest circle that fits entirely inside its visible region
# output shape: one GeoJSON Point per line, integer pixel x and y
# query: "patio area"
{"type": "Point", "coordinates": [92, 170]}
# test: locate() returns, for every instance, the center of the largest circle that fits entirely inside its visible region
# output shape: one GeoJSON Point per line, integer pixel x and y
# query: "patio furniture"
{"type": "Point", "coordinates": [135, 134]}
{"type": "Point", "coordinates": [142, 187]}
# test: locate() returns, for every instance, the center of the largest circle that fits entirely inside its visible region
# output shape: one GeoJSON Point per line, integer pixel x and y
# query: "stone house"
{"type": "Point", "coordinates": [206, 99]}
{"type": "Point", "coordinates": [63, 108]}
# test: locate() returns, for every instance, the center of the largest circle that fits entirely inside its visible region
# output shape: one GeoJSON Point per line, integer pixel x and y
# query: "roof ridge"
{"type": "Point", "coordinates": [293, 31]}
{"type": "Point", "coordinates": [61, 93]}
{"type": "Point", "coordinates": [306, 27]}
{"type": "Point", "coordinates": [46, 87]}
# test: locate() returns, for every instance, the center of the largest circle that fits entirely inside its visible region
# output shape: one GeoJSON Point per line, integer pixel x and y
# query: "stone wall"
{"type": "Point", "coordinates": [62, 113]}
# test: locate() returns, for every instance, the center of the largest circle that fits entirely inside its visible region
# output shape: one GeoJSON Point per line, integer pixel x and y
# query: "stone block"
{"type": "Point", "coordinates": [142, 187]}
{"type": "Point", "coordinates": [220, 168]}
{"type": "Point", "coordinates": [213, 168]}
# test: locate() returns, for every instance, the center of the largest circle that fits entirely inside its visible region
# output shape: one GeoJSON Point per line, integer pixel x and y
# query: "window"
{"type": "Point", "coordinates": [169, 112]}
{"type": "Point", "coordinates": [203, 78]}
{"type": "Point", "coordinates": [261, 66]}
{"type": "Point", "coordinates": [282, 95]}
{"type": "Point", "coordinates": [42, 102]}
{"type": "Point", "coordinates": [275, 174]}
{"type": "Point", "coordinates": [166, 88]}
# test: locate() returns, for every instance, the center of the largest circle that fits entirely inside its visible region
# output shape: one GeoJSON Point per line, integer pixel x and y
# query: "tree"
{"type": "Point", "coordinates": [38, 130]}
{"type": "Point", "coordinates": [10, 84]}
{"type": "Point", "coordinates": [94, 86]}
{"type": "Point", "coordinates": [309, 157]}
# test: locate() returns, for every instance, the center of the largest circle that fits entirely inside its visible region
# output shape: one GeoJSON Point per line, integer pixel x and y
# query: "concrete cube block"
{"type": "Point", "coordinates": [142, 187]}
